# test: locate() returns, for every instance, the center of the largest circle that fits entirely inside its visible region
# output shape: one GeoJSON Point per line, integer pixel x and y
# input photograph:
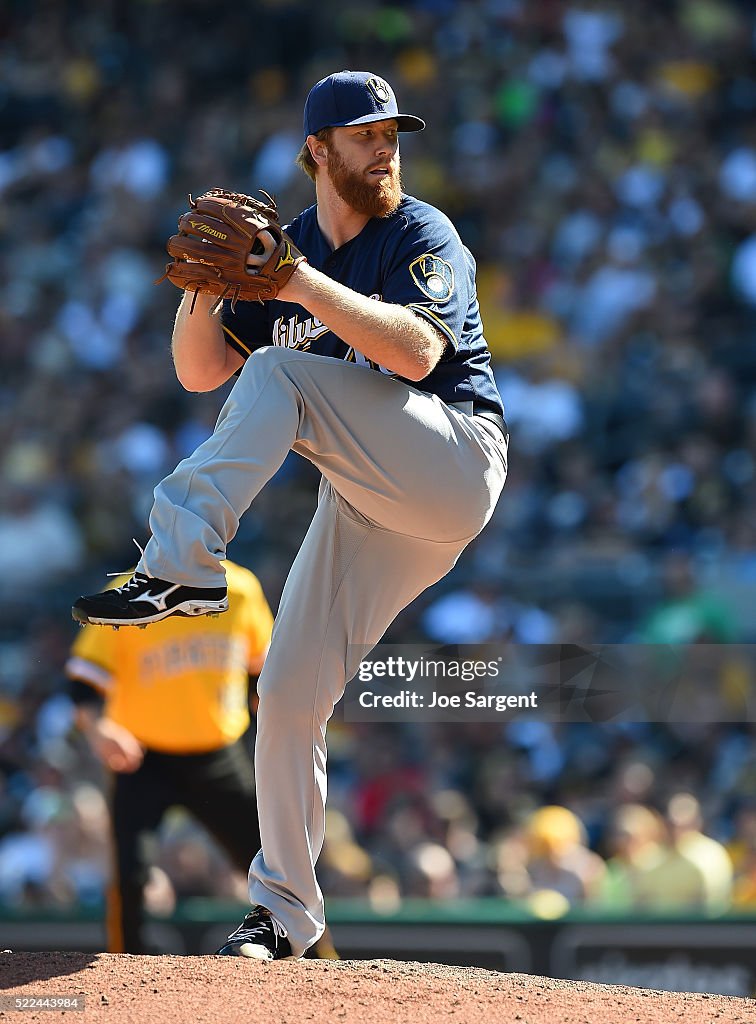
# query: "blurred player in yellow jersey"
{"type": "Point", "coordinates": [165, 708]}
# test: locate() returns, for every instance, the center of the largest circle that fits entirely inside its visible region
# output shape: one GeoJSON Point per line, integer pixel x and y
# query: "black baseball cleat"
{"type": "Point", "coordinates": [259, 937]}
{"type": "Point", "coordinates": [144, 599]}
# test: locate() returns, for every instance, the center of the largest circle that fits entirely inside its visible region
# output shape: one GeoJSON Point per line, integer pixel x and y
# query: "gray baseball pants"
{"type": "Point", "coordinates": [407, 483]}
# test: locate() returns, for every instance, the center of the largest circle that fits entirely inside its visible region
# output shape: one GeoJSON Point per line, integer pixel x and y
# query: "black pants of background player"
{"type": "Point", "coordinates": [217, 788]}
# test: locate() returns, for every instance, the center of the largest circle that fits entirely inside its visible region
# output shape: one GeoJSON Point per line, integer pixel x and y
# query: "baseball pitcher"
{"type": "Point", "coordinates": [356, 338]}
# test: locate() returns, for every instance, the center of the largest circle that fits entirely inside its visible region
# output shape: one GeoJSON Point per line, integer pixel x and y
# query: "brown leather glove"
{"type": "Point", "coordinates": [232, 245]}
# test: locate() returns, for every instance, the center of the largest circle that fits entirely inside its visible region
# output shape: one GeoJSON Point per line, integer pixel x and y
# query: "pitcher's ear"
{"type": "Point", "coordinates": [318, 150]}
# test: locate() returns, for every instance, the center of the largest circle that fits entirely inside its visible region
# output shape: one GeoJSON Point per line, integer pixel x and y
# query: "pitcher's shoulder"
{"type": "Point", "coordinates": [417, 215]}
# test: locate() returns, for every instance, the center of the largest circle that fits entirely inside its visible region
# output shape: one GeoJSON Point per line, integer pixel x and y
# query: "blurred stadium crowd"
{"type": "Point", "coordinates": [599, 159]}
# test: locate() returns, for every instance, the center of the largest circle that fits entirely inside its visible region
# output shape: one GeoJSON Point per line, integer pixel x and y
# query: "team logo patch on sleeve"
{"type": "Point", "coordinates": [433, 276]}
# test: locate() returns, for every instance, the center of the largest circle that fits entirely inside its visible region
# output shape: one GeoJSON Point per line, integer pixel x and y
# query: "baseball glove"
{"type": "Point", "coordinates": [230, 244]}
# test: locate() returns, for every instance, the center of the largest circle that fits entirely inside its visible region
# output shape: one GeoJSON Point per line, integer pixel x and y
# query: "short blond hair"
{"type": "Point", "coordinates": [304, 158]}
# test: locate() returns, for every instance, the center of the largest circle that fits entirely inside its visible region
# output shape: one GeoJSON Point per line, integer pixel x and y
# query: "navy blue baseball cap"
{"type": "Point", "coordinates": [354, 97]}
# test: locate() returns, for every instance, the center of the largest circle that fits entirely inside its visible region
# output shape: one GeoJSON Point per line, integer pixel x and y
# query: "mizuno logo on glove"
{"type": "Point", "coordinates": [286, 259]}
{"type": "Point", "coordinates": [208, 231]}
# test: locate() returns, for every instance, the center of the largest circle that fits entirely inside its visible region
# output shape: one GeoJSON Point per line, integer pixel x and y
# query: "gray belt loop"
{"type": "Point", "coordinates": [483, 412]}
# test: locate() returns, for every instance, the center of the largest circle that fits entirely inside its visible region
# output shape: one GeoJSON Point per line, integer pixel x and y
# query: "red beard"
{"type": "Point", "coordinates": [373, 200]}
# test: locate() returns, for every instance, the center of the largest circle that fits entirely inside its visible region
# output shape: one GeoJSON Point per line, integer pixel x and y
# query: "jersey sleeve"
{"type": "Point", "coordinates": [247, 327]}
{"type": "Point", "coordinates": [427, 271]}
{"type": "Point", "coordinates": [93, 658]}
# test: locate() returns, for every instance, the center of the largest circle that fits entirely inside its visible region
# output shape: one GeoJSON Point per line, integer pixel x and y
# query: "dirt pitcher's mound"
{"type": "Point", "coordinates": [223, 990]}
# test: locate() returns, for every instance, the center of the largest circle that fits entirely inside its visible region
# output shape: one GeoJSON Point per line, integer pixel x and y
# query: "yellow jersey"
{"type": "Point", "coordinates": [180, 685]}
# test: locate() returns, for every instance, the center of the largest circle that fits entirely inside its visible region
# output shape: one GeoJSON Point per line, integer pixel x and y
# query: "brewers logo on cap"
{"type": "Point", "coordinates": [379, 89]}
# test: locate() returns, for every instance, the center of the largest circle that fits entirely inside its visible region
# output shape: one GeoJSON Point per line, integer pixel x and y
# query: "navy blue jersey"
{"type": "Point", "coordinates": [414, 258]}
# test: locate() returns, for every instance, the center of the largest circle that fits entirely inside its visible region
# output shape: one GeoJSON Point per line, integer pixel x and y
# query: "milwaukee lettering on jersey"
{"type": "Point", "coordinates": [296, 333]}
